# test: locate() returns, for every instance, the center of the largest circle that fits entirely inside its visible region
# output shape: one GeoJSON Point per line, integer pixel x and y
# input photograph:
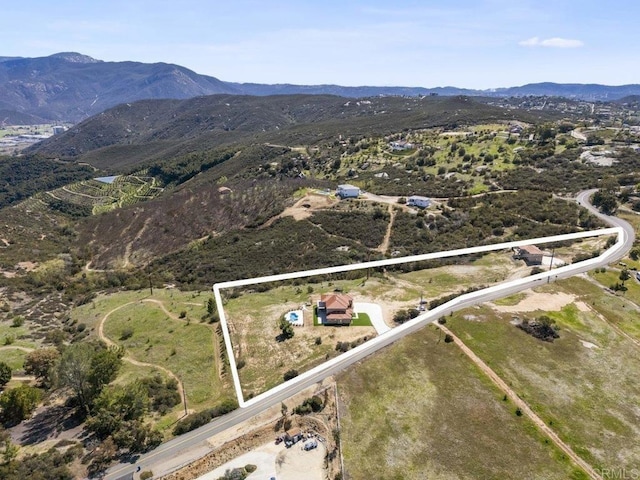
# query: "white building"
{"type": "Point", "coordinates": [401, 145]}
{"type": "Point", "coordinates": [347, 191]}
{"type": "Point", "coordinates": [418, 201]}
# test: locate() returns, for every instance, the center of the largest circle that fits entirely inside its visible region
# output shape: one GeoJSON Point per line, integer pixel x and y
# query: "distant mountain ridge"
{"type": "Point", "coordinates": [70, 86]}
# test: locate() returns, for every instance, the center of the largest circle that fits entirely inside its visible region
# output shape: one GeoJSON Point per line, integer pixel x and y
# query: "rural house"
{"type": "Point", "coordinates": [530, 254]}
{"type": "Point", "coordinates": [418, 201]}
{"type": "Point", "coordinates": [347, 191]}
{"type": "Point", "coordinates": [335, 309]}
{"type": "Point", "coordinates": [401, 145]}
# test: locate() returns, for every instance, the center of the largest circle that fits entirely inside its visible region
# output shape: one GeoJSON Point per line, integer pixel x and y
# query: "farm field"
{"type": "Point", "coordinates": [420, 409]}
{"type": "Point", "coordinates": [105, 193]}
{"type": "Point", "coordinates": [574, 383]}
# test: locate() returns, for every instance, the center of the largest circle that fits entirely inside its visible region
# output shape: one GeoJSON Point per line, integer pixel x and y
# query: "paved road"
{"type": "Point", "coordinates": [190, 446]}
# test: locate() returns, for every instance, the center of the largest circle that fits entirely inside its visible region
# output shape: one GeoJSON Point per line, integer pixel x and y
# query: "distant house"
{"type": "Point", "coordinates": [530, 254]}
{"type": "Point", "coordinates": [418, 201]}
{"type": "Point", "coordinates": [401, 145]}
{"type": "Point", "coordinates": [347, 191]}
{"type": "Point", "coordinates": [335, 309]}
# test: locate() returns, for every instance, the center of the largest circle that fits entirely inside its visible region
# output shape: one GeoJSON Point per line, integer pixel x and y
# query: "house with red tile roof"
{"type": "Point", "coordinates": [335, 309]}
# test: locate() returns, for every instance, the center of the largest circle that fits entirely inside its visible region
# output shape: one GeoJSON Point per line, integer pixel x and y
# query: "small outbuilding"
{"type": "Point", "coordinates": [530, 254]}
{"type": "Point", "coordinates": [347, 191]}
{"type": "Point", "coordinates": [418, 201]}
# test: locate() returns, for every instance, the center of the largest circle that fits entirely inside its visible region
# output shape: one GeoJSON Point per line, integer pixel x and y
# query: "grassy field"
{"type": "Point", "coordinates": [421, 410]}
{"type": "Point", "coordinates": [14, 358]}
{"type": "Point", "coordinates": [617, 309]}
{"type": "Point", "coordinates": [575, 383]}
{"type": "Point", "coordinates": [185, 346]}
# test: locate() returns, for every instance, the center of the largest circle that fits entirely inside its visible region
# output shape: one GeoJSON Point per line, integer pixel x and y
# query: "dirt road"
{"type": "Point", "coordinates": [522, 406]}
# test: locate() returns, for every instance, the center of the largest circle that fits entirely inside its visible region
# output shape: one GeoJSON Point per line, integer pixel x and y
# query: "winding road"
{"type": "Point", "coordinates": [189, 447]}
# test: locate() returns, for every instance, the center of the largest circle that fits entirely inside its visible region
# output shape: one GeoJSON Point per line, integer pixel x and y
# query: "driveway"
{"type": "Point", "coordinates": [375, 314]}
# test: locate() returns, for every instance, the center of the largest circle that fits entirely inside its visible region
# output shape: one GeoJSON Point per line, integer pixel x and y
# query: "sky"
{"type": "Point", "coordinates": [463, 43]}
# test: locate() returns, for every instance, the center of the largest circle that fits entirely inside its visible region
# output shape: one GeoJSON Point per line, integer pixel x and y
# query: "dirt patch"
{"type": "Point", "coordinates": [583, 307]}
{"type": "Point", "coordinates": [305, 207]}
{"type": "Point", "coordinates": [589, 345]}
{"type": "Point", "coordinates": [538, 301]}
{"type": "Point", "coordinates": [5, 241]}
{"type": "Point", "coordinates": [26, 266]}
{"type": "Point", "coordinates": [258, 432]}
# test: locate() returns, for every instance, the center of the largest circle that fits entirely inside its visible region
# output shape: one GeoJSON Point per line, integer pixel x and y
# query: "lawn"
{"type": "Point", "coordinates": [361, 320]}
{"type": "Point", "coordinates": [419, 409]}
{"type": "Point", "coordinates": [577, 387]}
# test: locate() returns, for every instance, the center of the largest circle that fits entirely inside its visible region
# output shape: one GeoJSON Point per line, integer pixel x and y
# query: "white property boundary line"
{"type": "Point", "coordinates": [435, 313]}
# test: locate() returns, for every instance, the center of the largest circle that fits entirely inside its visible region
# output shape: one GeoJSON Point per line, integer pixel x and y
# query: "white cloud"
{"type": "Point", "coordinates": [555, 42]}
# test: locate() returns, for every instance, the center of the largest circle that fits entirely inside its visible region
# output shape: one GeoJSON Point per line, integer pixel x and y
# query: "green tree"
{"type": "Point", "coordinates": [287, 329]}
{"type": "Point", "coordinates": [115, 405]}
{"type": "Point", "coordinates": [624, 276]}
{"type": "Point", "coordinates": [104, 368]}
{"type": "Point", "coordinates": [86, 368]}
{"type": "Point", "coordinates": [18, 403]}
{"type": "Point", "coordinates": [41, 364]}
{"type": "Point", "coordinates": [5, 374]}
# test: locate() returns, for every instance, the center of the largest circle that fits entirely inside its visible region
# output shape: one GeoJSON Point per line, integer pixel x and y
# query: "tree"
{"type": "Point", "coordinates": [5, 374]}
{"type": "Point", "coordinates": [624, 276]}
{"type": "Point", "coordinates": [117, 404]}
{"type": "Point", "coordinates": [86, 368]}
{"type": "Point", "coordinates": [41, 364]}
{"type": "Point", "coordinates": [18, 403]}
{"type": "Point", "coordinates": [74, 370]}
{"type": "Point", "coordinates": [287, 329]}
{"type": "Point", "coordinates": [104, 368]}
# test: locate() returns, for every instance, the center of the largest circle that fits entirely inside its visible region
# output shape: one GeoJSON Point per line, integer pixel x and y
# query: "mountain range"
{"type": "Point", "coordinates": [71, 87]}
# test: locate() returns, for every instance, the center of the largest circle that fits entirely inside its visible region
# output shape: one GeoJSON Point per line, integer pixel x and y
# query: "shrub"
{"type": "Point", "coordinates": [289, 374]}
{"type": "Point", "coordinates": [17, 321]}
{"type": "Point", "coordinates": [146, 475]}
{"type": "Point", "coordinates": [195, 420]}
{"type": "Point", "coordinates": [183, 314]}
{"type": "Point", "coordinates": [126, 333]}
{"type": "Point", "coordinates": [318, 341]}
{"type": "Point", "coordinates": [448, 338]}
{"type": "Point", "coordinates": [241, 363]}
{"type": "Point", "coordinates": [250, 468]}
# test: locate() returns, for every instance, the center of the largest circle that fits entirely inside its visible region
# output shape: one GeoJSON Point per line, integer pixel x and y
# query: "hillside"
{"type": "Point", "coordinates": [155, 130]}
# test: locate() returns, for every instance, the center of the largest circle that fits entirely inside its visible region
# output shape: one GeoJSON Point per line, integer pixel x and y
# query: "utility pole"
{"type": "Point", "coordinates": [149, 278]}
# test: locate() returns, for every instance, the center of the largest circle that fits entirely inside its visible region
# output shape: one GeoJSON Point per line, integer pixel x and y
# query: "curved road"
{"type": "Point", "coordinates": [189, 447]}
